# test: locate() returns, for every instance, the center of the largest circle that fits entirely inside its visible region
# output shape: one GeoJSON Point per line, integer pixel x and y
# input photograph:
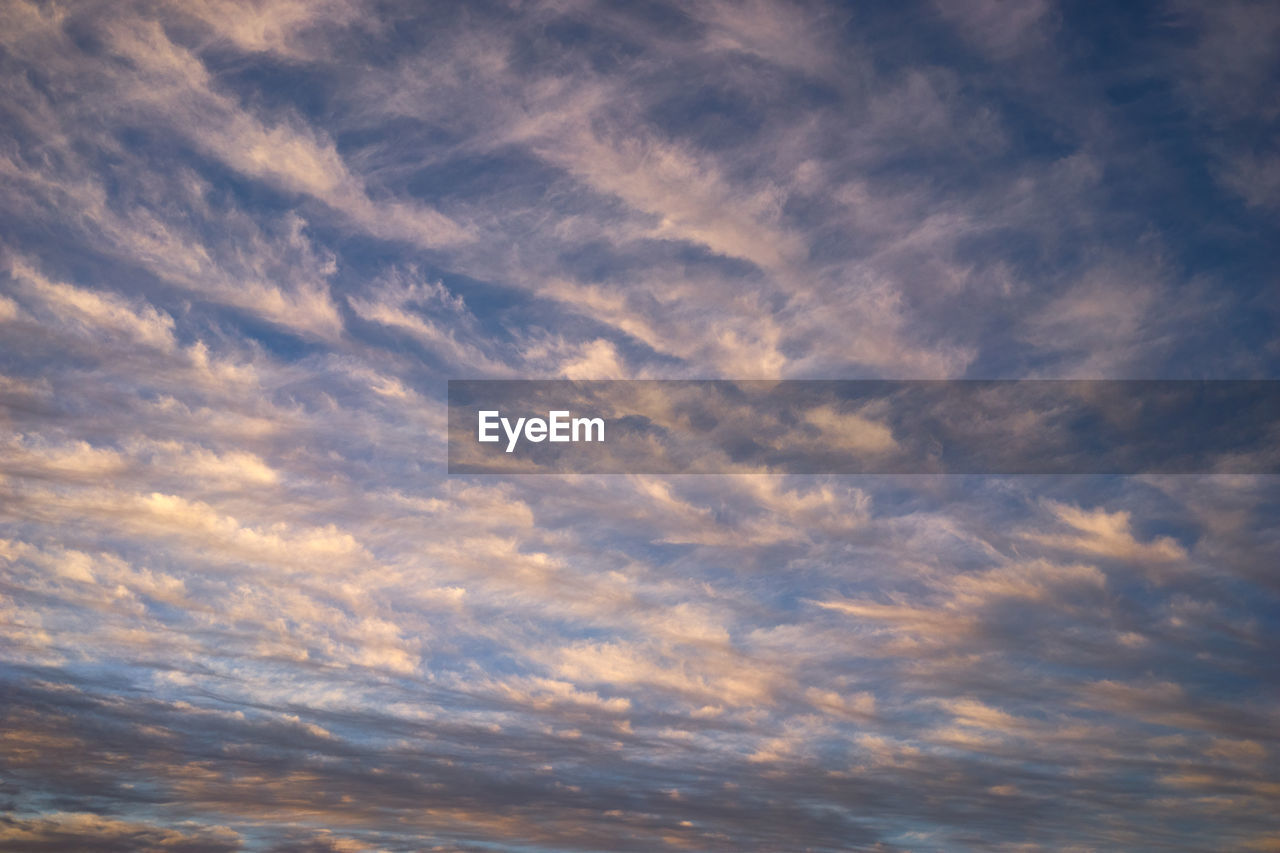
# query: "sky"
{"type": "Point", "coordinates": [244, 245]}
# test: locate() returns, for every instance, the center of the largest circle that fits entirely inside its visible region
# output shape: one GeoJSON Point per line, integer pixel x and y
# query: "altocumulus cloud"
{"type": "Point", "coordinates": [244, 244]}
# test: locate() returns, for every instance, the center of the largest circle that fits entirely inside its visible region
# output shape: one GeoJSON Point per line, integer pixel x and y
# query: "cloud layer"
{"type": "Point", "coordinates": [242, 607]}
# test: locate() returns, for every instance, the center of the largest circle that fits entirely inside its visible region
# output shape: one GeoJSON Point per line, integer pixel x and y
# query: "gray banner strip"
{"type": "Point", "coordinates": [864, 427]}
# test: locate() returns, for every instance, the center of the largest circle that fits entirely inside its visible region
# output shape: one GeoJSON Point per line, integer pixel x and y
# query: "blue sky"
{"type": "Point", "coordinates": [243, 245]}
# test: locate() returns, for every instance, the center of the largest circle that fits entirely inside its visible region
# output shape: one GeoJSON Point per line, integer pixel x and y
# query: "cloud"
{"type": "Point", "coordinates": [94, 833]}
{"type": "Point", "coordinates": [999, 28]}
{"type": "Point", "coordinates": [270, 26]}
{"type": "Point", "coordinates": [1108, 535]}
{"type": "Point", "coordinates": [173, 82]}
{"type": "Point", "coordinates": [790, 35]}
